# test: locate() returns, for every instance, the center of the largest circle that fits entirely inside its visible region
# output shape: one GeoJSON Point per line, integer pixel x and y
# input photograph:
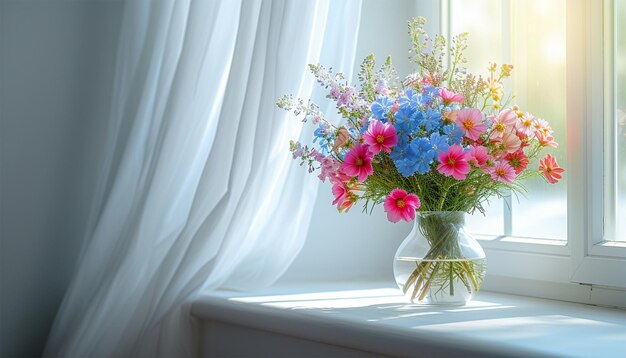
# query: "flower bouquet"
{"type": "Point", "coordinates": [441, 140]}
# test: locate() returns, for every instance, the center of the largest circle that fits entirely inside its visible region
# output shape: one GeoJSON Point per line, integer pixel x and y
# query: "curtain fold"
{"type": "Point", "coordinates": [198, 189]}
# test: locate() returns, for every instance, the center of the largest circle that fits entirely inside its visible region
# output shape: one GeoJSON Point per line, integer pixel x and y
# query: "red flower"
{"type": "Point", "coordinates": [518, 160]}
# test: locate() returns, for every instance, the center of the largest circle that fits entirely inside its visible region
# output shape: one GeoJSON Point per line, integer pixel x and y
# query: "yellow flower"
{"type": "Point", "coordinates": [505, 70]}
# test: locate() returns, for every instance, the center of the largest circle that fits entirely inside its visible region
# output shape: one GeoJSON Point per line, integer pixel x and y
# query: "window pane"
{"type": "Point", "coordinates": [508, 32]}
{"type": "Point", "coordinates": [485, 45]}
{"type": "Point", "coordinates": [620, 113]}
{"type": "Point", "coordinates": [538, 53]}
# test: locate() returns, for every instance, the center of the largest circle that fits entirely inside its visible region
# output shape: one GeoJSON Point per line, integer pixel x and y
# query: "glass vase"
{"type": "Point", "coordinates": [439, 263]}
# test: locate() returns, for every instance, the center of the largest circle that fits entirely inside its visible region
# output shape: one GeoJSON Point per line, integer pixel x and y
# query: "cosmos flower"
{"type": "Point", "coordinates": [502, 172]}
{"type": "Point", "coordinates": [517, 160]}
{"type": "Point", "coordinates": [454, 162]}
{"type": "Point", "coordinates": [526, 125]}
{"type": "Point", "coordinates": [450, 97]}
{"type": "Point", "coordinates": [358, 162]}
{"type": "Point", "coordinates": [550, 168]}
{"type": "Point", "coordinates": [478, 155]}
{"type": "Point", "coordinates": [470, 121]}
{"type": "Point", "coordinates": [502, 123]}
{"type": "Point", "coordinates": [400, 205]}
{"type": "Point", "coordinates": [380, 137]}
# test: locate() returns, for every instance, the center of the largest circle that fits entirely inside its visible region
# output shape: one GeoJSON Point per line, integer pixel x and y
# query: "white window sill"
{"type": "Point", "coordinates": [373, 317]}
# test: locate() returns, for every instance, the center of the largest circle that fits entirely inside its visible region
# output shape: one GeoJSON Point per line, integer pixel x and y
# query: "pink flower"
{"type": "Point", "coordinates": [454, 162]}
{"type": "Point", "coordinates": [542, 126]}
{"type": "Point", "coordinates": [478, 155]}
{"type": "Point", "coordinates": [502, 123]}
{"type": "Point", "coordinates": [550, 168]}
{"type": "Point", "coordinates": [381, 87]}
{"type": "Point", "coordinates": [329, 167]}
{"type": "Point", "coordinates": [546, 140]}
{"type": "Point", "coordinates": [345, 97]}
{"type": "Point", "coordinates": [394, 108]}
{"type": "Point", "coordinates": [344, 198]}
{"type": "Point", "coordinates": [380, 137]}
{"type": "Point", "coordinates": [526, 125]}
{"type": "Point", "coordinates": [334, 91]}
{"type": "Point", "coordinates": [401, 205]}
{"type": "Point", "coordinates": [502, 172]}
{"type": "Point", "coordinates": [340, 192]}
{"type": "Point", "coordinates": [346, 205]}
{"type": "Point", "coordinates": [470, 120]}
{"type": "Point", "coordinates": [449, 96]}
{"type": "Point", "coordinates": [510, 142]}
{"type": "Point", "coordinates": [339, 177]}
{"type": "Point", "coordinates": [358, 162]}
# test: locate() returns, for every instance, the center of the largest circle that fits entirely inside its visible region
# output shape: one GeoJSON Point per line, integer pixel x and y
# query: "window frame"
{"type": "Point", "coordinates": [596, 260]}
{"type": "Point", "coordinates": [585, 268]}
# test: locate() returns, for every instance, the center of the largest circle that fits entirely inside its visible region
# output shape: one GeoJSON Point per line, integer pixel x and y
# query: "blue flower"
{"type": "Point", "coordinates": [439, 143]}
{"type": "Point", "coordinates": [454, 133]}
{"type": "Point", "coordinates": [430, 92]}
{"type": "Point", "coordinates": [321, 134]}
{"type": "Point", "coordinates": [408, 100]}
{"type": "Point", "coordinates": [432, 120]}
{"type": "Point", "coordinates": [417, 157]}
{"type": "Point", "coordinates": [405, 114]}
{"type": "Point", "coordinates": [423, 151]}
{"type": "Point", "coordinates": [399, 151]}
{"type": "Point", "coordinates": [381, 107]}
{"type": "Point", "coordinates": [405, 167]}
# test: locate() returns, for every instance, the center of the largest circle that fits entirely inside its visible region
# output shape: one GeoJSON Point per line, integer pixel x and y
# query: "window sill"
{"type": "Point", "coordinates": [373, 317]}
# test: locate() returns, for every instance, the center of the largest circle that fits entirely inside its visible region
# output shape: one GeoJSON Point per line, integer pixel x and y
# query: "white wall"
{"type": "Point", "coordinates": [56, 63]}
{"type": "Point", "coordinates": [357, 245]}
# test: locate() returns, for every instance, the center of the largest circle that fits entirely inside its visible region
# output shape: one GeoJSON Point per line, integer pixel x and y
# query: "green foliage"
{"type": "Point", "coordinates": [367, 77]}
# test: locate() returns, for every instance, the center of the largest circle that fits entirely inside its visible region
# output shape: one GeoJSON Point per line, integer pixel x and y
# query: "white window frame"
{"type": "Point", "coordinates": [596, 260]}
{"type": "Point", "coordinates": [585, 268]}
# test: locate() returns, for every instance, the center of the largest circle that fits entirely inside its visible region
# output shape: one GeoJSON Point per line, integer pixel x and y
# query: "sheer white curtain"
{"type": "Point", "coordinates": [199, 190]}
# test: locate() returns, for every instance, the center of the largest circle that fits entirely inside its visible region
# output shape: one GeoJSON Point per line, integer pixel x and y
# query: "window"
{"type": "Point", "coordinates": [566, 71]}
{"type": "Point", "coordinates": [538, 82]}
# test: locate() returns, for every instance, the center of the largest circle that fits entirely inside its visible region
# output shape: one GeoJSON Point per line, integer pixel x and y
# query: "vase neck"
{"type": "Point", "coordinates": [445, 217]}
